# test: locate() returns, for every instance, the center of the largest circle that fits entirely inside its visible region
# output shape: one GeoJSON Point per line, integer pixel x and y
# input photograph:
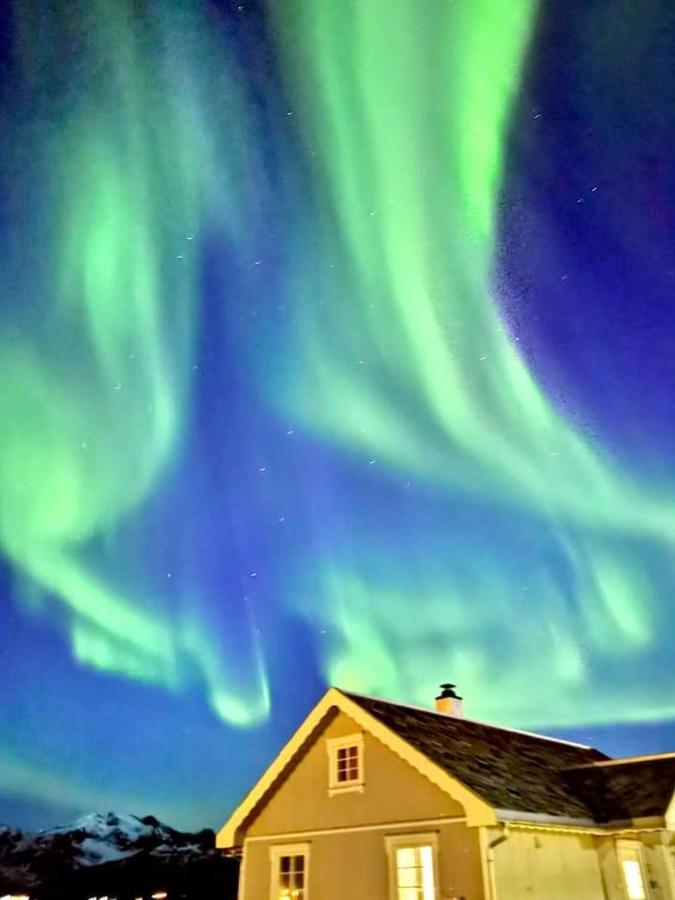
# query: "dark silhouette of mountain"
{"type": "Point", "coordinates": [115, 856]}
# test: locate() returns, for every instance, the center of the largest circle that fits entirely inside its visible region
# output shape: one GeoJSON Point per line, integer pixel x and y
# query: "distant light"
{"type": "Point", "coordinates": [160, 895]}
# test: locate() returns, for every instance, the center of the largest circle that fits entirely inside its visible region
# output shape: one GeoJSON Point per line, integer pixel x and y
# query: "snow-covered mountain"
{"type": "Point", "coordinates": [109, 854]}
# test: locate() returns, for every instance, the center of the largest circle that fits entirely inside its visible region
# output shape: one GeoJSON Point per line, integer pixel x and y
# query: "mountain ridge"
{"type": "Point", "coordinates": [113, 854]}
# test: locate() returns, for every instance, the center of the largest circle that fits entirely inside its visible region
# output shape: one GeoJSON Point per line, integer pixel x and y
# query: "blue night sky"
{"type": "Point", "coordinates": [336, 347]}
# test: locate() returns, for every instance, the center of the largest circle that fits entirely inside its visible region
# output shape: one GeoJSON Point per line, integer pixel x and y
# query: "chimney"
{"type": "Point", "coordinates": [449, 702]}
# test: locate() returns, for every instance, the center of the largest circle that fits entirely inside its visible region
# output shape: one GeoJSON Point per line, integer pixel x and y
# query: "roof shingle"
{"type": "Point", "coordinates": [511, 770]}
{"type": "Point", "coordinates": [622, 790]}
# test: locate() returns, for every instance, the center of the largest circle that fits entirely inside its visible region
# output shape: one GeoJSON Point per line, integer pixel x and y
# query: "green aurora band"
{"type": "Point", "coordinates": [406, 120]}
{"type": "Point", "coordinates": [132, 166]}
{"type": "Point", "coordinates": [400, 357]}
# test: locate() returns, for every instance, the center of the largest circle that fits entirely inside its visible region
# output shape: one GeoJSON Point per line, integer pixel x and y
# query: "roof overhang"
{"type": "Point", "coordinates": [543, 822]}
{"type": "Point", "coordinates": [478, 812]}
{"type": "Point", "coordinates": [530, 818]}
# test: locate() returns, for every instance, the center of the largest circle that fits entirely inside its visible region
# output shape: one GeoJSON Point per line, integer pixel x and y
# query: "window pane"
{"type": "Point", "coordinates": [347, 769]}
{"type": "Point", "coordinates": [408, 878]}
{"type": "Point", "coordinates": [415, 873]}
{"type": "Point", "coordinates": [291, 877]}
{"type": "Point", "coordinates": [410, 894]}
{"type": "Point", "coordinates": [632, 874]}
{"type": "Point", "coordinates": [406, 857]}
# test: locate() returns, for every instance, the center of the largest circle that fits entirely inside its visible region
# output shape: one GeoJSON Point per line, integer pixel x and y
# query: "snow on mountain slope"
{"type": "Point", "coordinates": [95, 840]}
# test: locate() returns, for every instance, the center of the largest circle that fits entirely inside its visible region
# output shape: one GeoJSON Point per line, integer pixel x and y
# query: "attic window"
{"type": "Point", "coordinates": [345, 764]}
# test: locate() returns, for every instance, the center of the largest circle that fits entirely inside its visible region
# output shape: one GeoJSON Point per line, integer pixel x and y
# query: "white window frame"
{"type": "Point", "coordinates": [394, 842]}
{"type": "Point", "coordinates": [332, 746]}
{"type": "Point", "coordinates": [634, 848]}
{"type": "Point", "coordinates": [279, 850]}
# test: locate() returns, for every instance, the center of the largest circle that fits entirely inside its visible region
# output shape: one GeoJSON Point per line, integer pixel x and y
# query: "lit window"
{"type": "Point", "coordinates": [412, 865]}
{"type": "Point", "coordinates": [345, 763]}
{"type": "Point", "coordinates": [414, 873]}
{"type": "Point", "coordinates": [631, 867]}
{"type": "Point", "coordinates": [290, 872]}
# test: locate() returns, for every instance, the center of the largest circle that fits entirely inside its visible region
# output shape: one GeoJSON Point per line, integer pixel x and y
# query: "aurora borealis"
{"type": "Point", "coordinates": [336, 347]}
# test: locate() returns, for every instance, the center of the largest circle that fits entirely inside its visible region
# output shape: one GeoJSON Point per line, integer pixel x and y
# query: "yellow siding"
{"type": "Point", "coordinates": [354, 866]}
{"type": "Point", "coordinates": [393, 792]}
{"type": "Point", "coordinates": [655, 872]}
{"type": "Point", "coordinates": [547, 866]}
{"type": "Point", "coordinates": [609, 867]}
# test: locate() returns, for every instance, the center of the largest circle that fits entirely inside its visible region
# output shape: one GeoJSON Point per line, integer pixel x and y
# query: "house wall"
{"type": "Point", "coordinates": [668, 863]}
{"type": "Point", "coordinates": [393, 791]}
{"type": "Point", "coordinates": [655, 866]}
{"type": "Point", "coordinates": [354, 865]}
{"type": "Point", "coordinates": [351, 860]}
{"type": "Point", "coordinates": [547, 866]}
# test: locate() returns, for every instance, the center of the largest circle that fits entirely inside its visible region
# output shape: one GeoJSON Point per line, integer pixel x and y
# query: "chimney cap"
{"type": "Point", "coordinates": [448, 690]}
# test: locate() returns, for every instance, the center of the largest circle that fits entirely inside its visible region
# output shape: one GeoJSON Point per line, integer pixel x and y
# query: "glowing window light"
{"type": "Point", "coordinates": [15, 897]}
{"type": "Point", "coordinates": [632, 876]}
{"type": "Point", "coordinates": [291, 877]}
{"type": "Point", "coordinates": [415, 873]}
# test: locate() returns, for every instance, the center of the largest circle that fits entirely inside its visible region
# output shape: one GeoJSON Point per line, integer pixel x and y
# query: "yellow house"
{"type": "Point", "coordinates": [374, 800]}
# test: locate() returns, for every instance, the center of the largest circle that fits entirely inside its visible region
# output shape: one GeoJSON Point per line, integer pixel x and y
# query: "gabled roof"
{"type": "Point", "coordinates": [478, 811]}
{"type": "Point", "coordinates": [495, 773]}
{"type": "Point", "coordinates": [510, 770]}
{"type": "Point", "coordinates": [629, 789]}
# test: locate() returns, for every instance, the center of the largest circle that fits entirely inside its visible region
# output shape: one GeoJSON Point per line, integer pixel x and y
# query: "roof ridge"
{"type": "Point", "coordinates": [625, 760]}
{"type": "Point", "coordinates": [434, 712]}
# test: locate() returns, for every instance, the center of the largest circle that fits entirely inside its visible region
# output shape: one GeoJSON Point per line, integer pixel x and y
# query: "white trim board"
{"type": "Point", "coordinates": [384, 826]}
